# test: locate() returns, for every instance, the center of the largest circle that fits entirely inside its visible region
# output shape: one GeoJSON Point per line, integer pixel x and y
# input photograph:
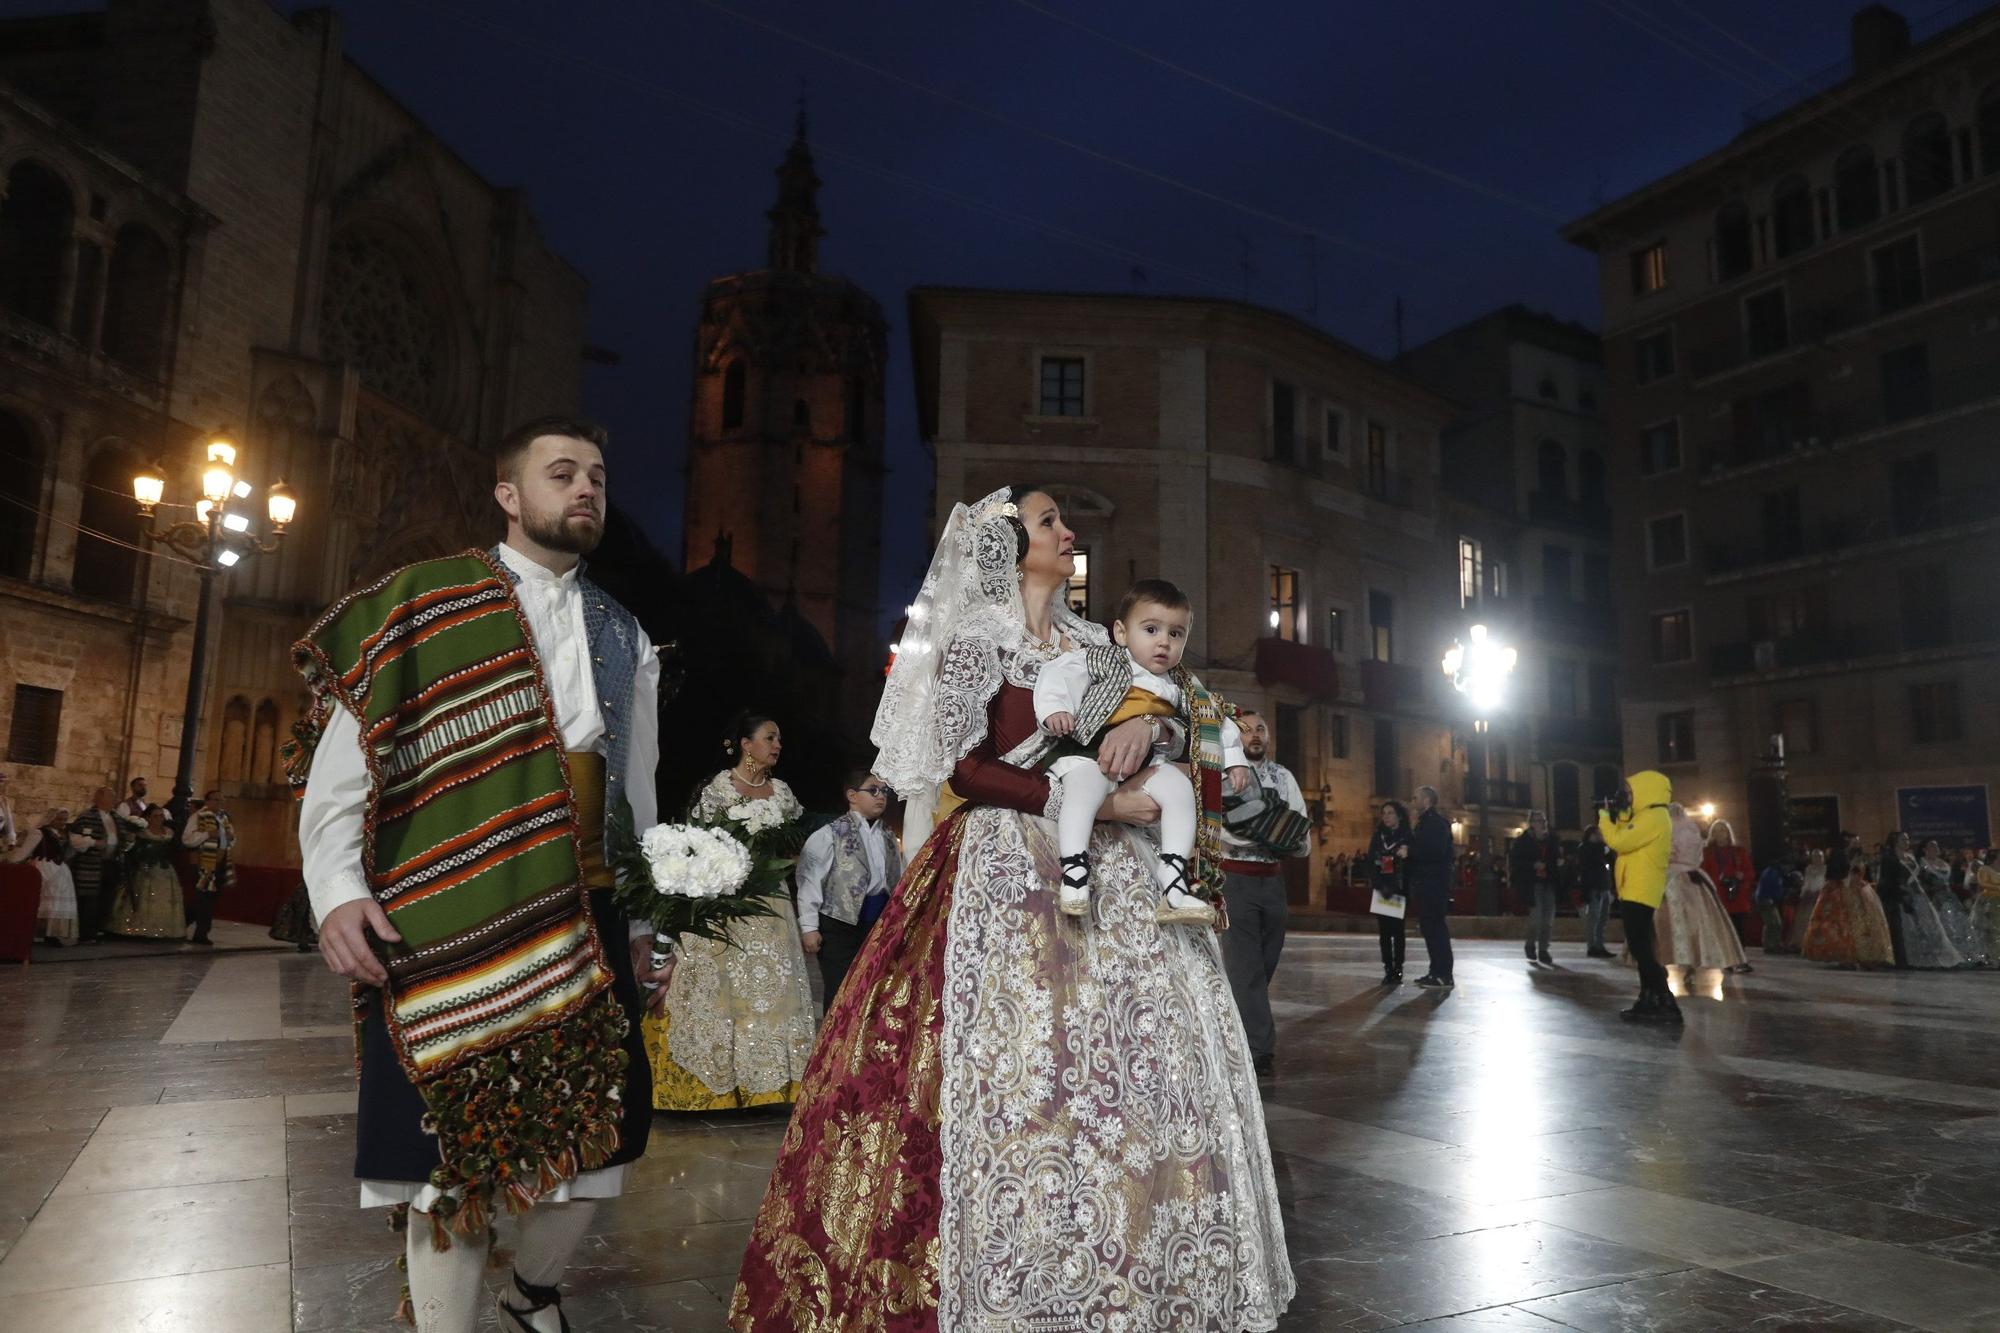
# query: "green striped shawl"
{"type": "Point", "coordinates": [498, 1002]}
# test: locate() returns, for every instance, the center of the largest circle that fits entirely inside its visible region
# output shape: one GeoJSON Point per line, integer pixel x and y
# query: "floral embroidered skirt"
{"type": "Point", "coordinates": [738, 1029]}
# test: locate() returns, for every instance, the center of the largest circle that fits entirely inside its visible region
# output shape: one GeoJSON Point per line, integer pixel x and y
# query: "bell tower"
{"type": "Point", "coordinates": [786, 433]}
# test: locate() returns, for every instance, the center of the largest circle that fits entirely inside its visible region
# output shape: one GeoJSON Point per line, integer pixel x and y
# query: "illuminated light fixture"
{"type": "Point", "coordinates": [1707, 809]}
{"type": "Point", "coordinates": [283, 505]}
{"type": "Point", "coordinates": [227, 559]}
{"type": "Point", "coordinates": [1274, 620]}
{"type": "Point", "coordinates": [220, 450]}
{"type": "Point", "coordinates": [236, 522]}
{"type": "Point", "coordinates": [241, 490]}
{"type": "Point", "coordinates": [149, 487]}
{"type": "Point", "coordinates": [202, 509]}
{"type": "Point", "coordinates": [217, 481]}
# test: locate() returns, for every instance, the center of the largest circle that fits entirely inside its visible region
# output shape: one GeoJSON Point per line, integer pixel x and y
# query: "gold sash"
{"type": "Point", "coordinates": [1138, 703]}
{"type": "Point", "coordinates": [586, 784]}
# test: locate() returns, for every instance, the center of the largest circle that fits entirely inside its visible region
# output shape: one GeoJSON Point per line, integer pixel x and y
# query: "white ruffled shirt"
{"type": "Point", "coordinates": [1063, 681]}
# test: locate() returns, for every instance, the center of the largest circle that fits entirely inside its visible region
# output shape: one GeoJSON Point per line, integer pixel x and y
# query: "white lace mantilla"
{"type": "Point", "coordinates": [742, 1014]}
{"type": "Point", "coordinates": [1105, 1165]}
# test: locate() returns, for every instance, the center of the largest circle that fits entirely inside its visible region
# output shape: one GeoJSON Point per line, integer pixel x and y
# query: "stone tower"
{"type": "Point", "coordinates": [786, 432]}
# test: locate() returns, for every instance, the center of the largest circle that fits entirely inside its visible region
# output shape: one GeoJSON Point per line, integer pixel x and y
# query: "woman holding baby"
{"type": "Point", "coordinates": [1017, 1116]}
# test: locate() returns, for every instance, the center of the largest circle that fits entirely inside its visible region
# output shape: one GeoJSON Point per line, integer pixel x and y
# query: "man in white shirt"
{"type": "Point", "coordinates": [96, 869]}
{"type": "Point", "coordinates": [844, 875]}
{"type": "Point", "coordinates": [211, 834]}
{"type": "Point", "coordinates": [1253, 891]}
{"type": "Point", "coordinates": [598, 674]}
{"type": "Point", "coordinates": [133, 808]}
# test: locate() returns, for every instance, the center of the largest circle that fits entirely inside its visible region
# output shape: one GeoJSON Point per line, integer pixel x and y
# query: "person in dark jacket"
{"type": "Point", "coordinates": [1387, 867]}
{"type": "Point", "coordinates": [1893, 881]}
{"type": "Point", "coordinates": [1532, 863]}
{"type": "Point", "coordinates": [1593, 861]}
{"type": "Point", "coordinates": [1429, 881]}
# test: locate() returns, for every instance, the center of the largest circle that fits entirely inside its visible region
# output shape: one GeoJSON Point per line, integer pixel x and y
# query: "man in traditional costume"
{"type": "Point", "coordinates": [97, 867]}
{"type": "Point", "coordinates": [212, 836]}
{"type": "Point", "coordinates": [845, 872]}
{"type": "Point", "coordinates": [477, 719]}
{"type": "Point", "coordinates": [1253, 891]}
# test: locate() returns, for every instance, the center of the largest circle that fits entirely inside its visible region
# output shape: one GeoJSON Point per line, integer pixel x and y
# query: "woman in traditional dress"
{"type": "Point", "coordinates": [1934, 874]}
{"type": "Point", "coordinates": [1691, 931]}
{"type": "Point", "coordinates": [1809, 889]}
{"type": "Point", "coordinates": [50, 847]}
{"type": "Point", "coordinates": [1014, 1119]}
{"type": "Point", "coordinates": [149, 900]}
{"type": "Point", "coordinates": [738, 1026]}
{"type": "Point", "coordinates": [1925, 942]}
{"type": "Point", "coordinates": [1848, 927]}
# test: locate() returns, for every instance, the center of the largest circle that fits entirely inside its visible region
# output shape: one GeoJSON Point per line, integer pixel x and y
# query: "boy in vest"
{"type": "Point", "coordinates": [477, 720]}
{"type": "Point", "coordinates": [844, 875]}
{"type": "Point", "coordinates": [1086, 692]}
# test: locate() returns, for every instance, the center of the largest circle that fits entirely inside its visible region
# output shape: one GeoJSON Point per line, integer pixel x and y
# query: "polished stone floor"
{"type": "Point", "coordinates": [1816, 1151]}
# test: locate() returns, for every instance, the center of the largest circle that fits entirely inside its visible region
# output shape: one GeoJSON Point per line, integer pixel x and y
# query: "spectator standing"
{"type": "Point", "coordinates": [1640, 831]}
{"type": "Point", "coordinates": [1728, 866]}
{"type": "Point", "coordinates": [1388, 866]}
{"type": "Point", "coordinates": [99, 863]}
{"type": "Point", "coordinates": [1894, 879]}
{"type": "Point", "coordinates": [1429, 881]}
{"type": "Point", "coordinates": [1532, 863]}
{"type": "Point", "coordinates": [1779, 880]}
{"type": "Point", "coordinates": [1594, 878]}
{"type": "Point", "coordinates": [135, 805]}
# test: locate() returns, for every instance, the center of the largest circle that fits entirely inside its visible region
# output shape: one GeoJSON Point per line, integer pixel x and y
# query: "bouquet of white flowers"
{"type": "Point", "coordinates": [691, 879]}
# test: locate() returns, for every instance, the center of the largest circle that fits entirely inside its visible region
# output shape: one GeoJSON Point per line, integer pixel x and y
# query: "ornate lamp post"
{"type": "Point", "coordinates": [216, 539]}
{"type": "Point", "coordinates": [1479, 671]}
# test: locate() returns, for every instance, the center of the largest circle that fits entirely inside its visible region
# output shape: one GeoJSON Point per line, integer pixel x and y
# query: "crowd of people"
{"type": "Point", "coordinates": [121, 868]}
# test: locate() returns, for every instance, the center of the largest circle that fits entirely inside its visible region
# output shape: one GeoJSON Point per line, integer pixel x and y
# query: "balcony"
{"type": "Point", "coordinates": [1313, 671]}
{"type": "Point", "coordinates": [1497, 791]}
{"type": "Point", "coordinates": [1815, 648]}
{"type": "Point", "coordinates": [1578, 733]}
{"type": "Point", "coordinates": [1814, 434]}
{"type": "Point", "coordinates": [1964, 513]}
{"type": "Point", "coordinates": [1393, 686]}
{"type": "Point", "coordinates": [1575, 622]}
{"type": "Point", "coordinates": [1558, 510]}
{"type": "Point", "coordinates": [1391, 488]}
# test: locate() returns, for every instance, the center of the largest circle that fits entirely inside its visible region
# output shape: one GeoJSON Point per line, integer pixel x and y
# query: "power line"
{"type": "Point", "coordinates": [105, 537]}
{"type": "Point", "coordinates": [1277, 109]}
{"type": "Point", "coordinates": [1791, 75]}
{"type": "Point", "coordinates": [1095, 154]}
{"type": "Point", "coordinates": [1693, 50]}
{"type": "Point", "coordinates": [890, 174]}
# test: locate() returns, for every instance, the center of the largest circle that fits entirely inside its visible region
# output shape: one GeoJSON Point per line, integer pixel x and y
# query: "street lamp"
{"type": "Point", "coordinates": [216, 539]}
{"type": "Point", "coordinates": [1479, 671]}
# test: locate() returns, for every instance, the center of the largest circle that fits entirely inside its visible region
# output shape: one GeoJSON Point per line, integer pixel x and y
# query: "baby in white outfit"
{"type": "Point", "coordinates": [1152, 628]}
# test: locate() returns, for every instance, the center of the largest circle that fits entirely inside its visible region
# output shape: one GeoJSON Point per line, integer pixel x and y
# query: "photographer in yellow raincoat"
{"type": "Point", "coordinates": [1636, 825]}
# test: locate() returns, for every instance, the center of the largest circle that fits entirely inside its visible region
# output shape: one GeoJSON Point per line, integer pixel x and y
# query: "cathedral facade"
{"type": "Point", "coordinates": [213, 221]}
{"type": "Point", "coordinates": [785, 458]}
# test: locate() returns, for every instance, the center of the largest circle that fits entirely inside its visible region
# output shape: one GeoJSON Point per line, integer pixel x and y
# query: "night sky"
{"type": "Point", "coordinates": [646, 135]}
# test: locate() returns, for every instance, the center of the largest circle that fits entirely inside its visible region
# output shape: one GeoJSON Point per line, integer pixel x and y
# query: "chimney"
{"type": "Point", "coordinates": [1880, 36]}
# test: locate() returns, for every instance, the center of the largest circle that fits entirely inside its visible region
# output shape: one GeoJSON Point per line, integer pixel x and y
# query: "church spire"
{"type": "Point", "coordinates": [795, 229]}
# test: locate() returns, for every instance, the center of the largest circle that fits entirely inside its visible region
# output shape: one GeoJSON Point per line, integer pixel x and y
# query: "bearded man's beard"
{"type": "Point", "coordinates": [563, 532]}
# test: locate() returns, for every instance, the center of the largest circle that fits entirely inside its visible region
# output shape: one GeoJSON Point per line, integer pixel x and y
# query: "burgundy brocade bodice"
{"type": "Point", "coordinates": [981, 778]}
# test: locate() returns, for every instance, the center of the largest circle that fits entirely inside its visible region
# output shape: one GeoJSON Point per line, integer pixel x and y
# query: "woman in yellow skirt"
{"type": "Point", "coordinates": [738, 1026]}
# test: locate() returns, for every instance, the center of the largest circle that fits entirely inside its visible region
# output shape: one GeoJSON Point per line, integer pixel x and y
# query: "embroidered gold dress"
{"type": "Point", "coordinates": [738, 1029]}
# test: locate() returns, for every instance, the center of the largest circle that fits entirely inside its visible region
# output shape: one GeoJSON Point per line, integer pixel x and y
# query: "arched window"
{"type": "Point", "coordinates": [1604, 782]}
{"type": "Point", "coordinates": [382, 313]}
{"type": "Point", "coordinates": [1926, 158]}
{"type": "Point", "coordinates": [802, 417]}
{"type": "Point", "coordinates": [135, 306]}
{"type": "Point", "coordinates": [1791, 216]}
{"type": "Point", "coordinates": [264, 744]}
{"type": "Point", "coordinates": [35, 221]}
{"type": "Point", "coordinates": [1566, 796]}
{"type": "Point", "coordinates": [21, 462]}
{"type": "Point", "coordinates": [234, 744]}
{"type": "Point", "coordinates": [107, 554]}
{"type": "Point", "coordinates": [1989, 130]}
{"type": "Point", "coordinates": [734, 387]}
{"type": "Point", "coordinates": [1552, 468]}
{"type": "Point", "coordinates": [1590, 476]}
{"type": "Point", "coordinates": [1733, 254]}
{"type": "Point", "coordinates": [1857, 188]}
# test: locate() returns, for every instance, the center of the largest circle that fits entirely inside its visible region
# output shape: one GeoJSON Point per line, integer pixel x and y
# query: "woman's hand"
{"type": "Point", "coordinates": [1130, 804]}
{"type": "Point", "coordinates": [1125, 749]}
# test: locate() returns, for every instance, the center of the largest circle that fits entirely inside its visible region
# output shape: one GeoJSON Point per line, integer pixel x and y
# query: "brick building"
{"type": "Point", "coordinates": [786, 434]}
{"type": "Point", "coordinates": [1527, 508]}
{"type": "Point", "coordinates": [213, 220]}
{"type": "Point", "coordinates": [1801, 333]}
{"type": "Point", "coordinates": [1286, 481]}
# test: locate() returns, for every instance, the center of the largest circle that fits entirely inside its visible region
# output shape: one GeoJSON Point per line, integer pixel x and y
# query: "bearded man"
{"type": "Point", "coordinates": [475, 720]}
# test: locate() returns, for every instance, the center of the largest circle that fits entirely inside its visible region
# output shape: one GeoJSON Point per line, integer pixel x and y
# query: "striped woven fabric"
{"type": "Point", "coordinates": [471, 825]}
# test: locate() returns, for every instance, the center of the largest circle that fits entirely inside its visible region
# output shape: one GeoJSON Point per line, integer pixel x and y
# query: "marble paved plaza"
{"type": "Point", "coordinates": [1816, 1151]}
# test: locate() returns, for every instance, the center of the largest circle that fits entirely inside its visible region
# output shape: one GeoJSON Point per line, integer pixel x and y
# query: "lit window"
{"type": "Point", "coordinates": [1471, 579]}
{"type": "Point", "coordinates": [1649, 269]}
{"type": "Point", "coordinates": [1284, 617]}
{"type": "Point", "coordinates": [1077, 594]}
